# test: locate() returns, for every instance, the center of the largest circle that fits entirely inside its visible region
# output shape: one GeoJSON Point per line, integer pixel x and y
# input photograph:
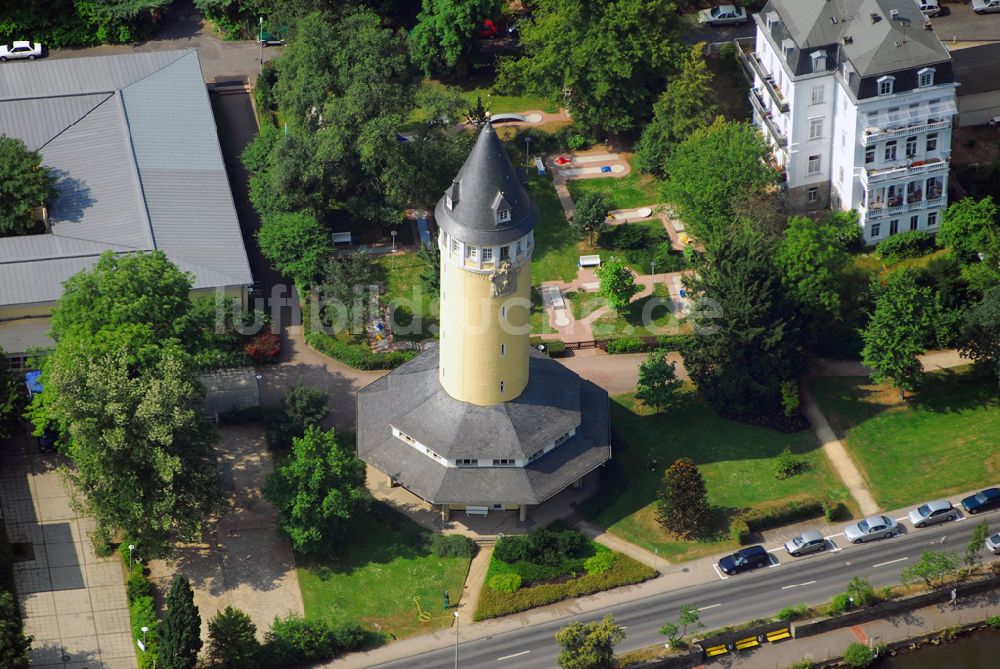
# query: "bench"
{"type": "Point", "coordinates": [477, 510]}
{"type": "Point", "coordinates": [749, 642]}
{"type": "Point", "coordinates": [342, 238]}
{"type": "Point", "coordinates": [715, 651]}
{"type": "Point", "coordinates": [540, 166]}
{"type": "Point", "coordinates": [589, 261]}
{"type": "Point", "coordinates": [779, 635]}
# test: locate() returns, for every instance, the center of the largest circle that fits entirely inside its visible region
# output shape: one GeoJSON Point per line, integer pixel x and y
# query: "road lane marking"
{"type": "Point", "coordinates": [882, 564]}
{"type": "Point", "coordinates": [710, 606]}
{"type": "Point", "coordinates": [508, 657]}
{"type": "Point", "coordinates": [717, 571]}
{"type": "Point", "coordinates": [795, 585]}
{"type": "Point", "coordinates": [833, 536]}
{"type": "Point", "coordinates": [899, 520]}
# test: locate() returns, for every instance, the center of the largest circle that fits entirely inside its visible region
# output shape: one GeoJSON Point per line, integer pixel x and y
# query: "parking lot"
{"type": "Point", "coordinates": [958, 24]}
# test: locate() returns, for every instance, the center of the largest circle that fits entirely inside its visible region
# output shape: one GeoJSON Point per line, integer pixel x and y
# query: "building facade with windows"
{"type": "Point", "coordinates": [856, 99]}
{"type": "Point", "coordinates": [481, 422]}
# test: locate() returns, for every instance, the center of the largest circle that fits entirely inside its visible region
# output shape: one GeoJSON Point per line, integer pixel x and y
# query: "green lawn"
{"type": "Point", "coordinates": [375, 574]}
{"type": "Point", "coordinates": [404, 290]}
{"type": "Point", "coordinates": [939, 442]}
{"type": "Point", "coordinates": [558, 246]}
{"type": "Point", "coordinates": [628, 192]}
{"type": "Point", "coordinates": [660, 320]}
{"type": "Point", "coordinates": [737, 461]}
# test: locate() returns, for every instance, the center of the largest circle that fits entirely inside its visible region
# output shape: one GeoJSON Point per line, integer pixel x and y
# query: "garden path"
{"type": "Point", "coordinates": [474, 584]}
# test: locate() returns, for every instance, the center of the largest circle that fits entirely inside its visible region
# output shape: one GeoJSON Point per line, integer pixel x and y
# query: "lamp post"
{"type": "Point", "coordinates": [131, 547]}
{"type": "Point", "coordinates": [394, 233]}
{"type": "Point", "coordinates": [456, 639]}
{"type": "Point", "coordinates": [527, 149]}
{"type": "Point", "coordinates": [656, 552]}
{"type": "Point", "coordinates": [652, 266]}
{"type": "Point", "coordinates": [142, 644]}
{"type": "Point", "coordinates": [260, 41]}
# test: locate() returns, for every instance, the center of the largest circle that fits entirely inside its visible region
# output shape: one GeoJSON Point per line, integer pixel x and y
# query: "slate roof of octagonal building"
{"type": "Point", "coordinates": [411, 399]}
{"type": "Point", "coordinates": [486, 176]}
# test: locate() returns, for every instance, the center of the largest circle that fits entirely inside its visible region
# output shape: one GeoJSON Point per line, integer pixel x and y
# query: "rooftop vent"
{"type": "Point", "coordinates": [899, 42]}
{"type": "Point", "coordinates": [834, 20]}
{"type": "Point", "coordinates": [894, 13]}
{"type": "Point", "coordinates": [848, 40]}
{"type": "Point", "coordinates": [875, 18]}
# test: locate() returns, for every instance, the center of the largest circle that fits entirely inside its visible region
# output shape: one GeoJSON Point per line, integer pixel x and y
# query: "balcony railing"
{"type": "Point", "coordinates": [752, 65]}
{"type": "Point", "coordinates": [872, 135]}
{"type": "Point", "coordinates": [914, 169]}
{"type": "Point", "coordinates": [757, 102]}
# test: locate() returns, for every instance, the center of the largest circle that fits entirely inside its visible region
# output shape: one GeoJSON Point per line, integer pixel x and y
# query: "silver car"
{"type": "Point", "coordinates": [871, 528]}
{"type": "Point", "coordinates": [722, 15]}
{"type": "Point", "coordinates": [993, 543]}
{"type": "Point", "coordinates": [929, 7]}
{"type": "Point", "coordinates": [985, 6]}
{"type": "Point", "coordinates": [807, 542]}
{"type": "Point", "coordinates": [929, 513]}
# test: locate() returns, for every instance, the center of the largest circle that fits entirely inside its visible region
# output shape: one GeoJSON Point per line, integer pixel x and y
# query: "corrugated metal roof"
{"type": "Point", "coordinates": [139, 167]}
{"type": "Point", "coordinates": [20, 336]}
{"type": "Point", "coordinates": [38, 120]}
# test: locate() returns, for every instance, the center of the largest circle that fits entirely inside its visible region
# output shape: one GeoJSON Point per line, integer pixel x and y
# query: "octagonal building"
{"type": "Point", "coordinates": [482, 422]}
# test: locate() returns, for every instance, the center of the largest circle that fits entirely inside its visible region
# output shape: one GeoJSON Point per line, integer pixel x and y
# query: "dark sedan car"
{"type": "Point", "coordinates": [745, 559]}
{"type": "Point", "coordinates": [984, 500]}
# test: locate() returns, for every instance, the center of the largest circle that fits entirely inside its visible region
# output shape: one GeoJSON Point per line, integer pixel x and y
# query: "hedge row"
{"type": "Point", "coordinates": [911, 244]}
{"type": "Point", "coordinates": [357, 356]}
{"type": "Point", "coordinates": [554, 348]}
{"type": "Point", "coordinates": [758, 520]}
{"type": "Point", "coordinates": [634, 344]}
{"type": "Point", "coordinates": [141, 609]}
{"type": "Point", "coordinates": [624, 571]}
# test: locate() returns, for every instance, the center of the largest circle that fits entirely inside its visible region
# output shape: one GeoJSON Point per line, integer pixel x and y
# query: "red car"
{"type": "Point", "coordinates": [489, 30]}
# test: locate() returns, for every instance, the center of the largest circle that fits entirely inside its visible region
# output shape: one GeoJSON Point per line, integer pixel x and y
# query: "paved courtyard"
{"type": "Point", "coordinates": [73, 602]}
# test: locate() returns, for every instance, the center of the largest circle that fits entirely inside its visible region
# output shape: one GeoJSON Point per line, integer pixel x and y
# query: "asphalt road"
{"type": "Point", "coordinates": [960, 23]}
{"type": "Point", "coordinates": [810, 580]}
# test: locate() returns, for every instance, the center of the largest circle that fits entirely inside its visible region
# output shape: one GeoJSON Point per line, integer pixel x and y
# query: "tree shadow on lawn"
{"type": "Point", "coordinates": [957, 390]}
{"type": "Point", "coordinates": [645, 444]}
{"type": "Point", "coordinates": [381, 536]}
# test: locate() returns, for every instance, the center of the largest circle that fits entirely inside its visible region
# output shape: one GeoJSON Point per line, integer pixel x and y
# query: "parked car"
{"type": "Point", "coordinates": [985, 6]}
{"type": "Point", "coordinates": [871, 528]}
{"type": "Point", "coordinates": [20, 50]}
{"type": "Point", "coordinates": [807, 542]}
{"type": "Point", "coordinates": [724, 15]}
{"type": "Point", "coordinates": [745, 559]}
{"type": "Point", "coordinates": [929, 513]}
{"type": "Point", "coordinates": [993, 543]}
{"type": "Point", "coordinates": [929, 7]}
{"type": "Point", "coordinates": [984, 500]}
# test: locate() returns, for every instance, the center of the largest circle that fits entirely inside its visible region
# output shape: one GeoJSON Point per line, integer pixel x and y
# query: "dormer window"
{"type": "Point", "coordinates": [772, 20]}
{"type": "Point", "coordinates": [502, 208]}
{"type": "Point", "coordinates": [818, 61]}
{"type": "Point", "coordinates": [885, 85]}
{"type": "Point", "coordinates": [448, 203]}
{"type": "Point", "coordinates": [451, 195]}
{"type": "Point", "coordinates": [925, 77]}
{"type": "Point", "coordinates": [788, 47]}
{"type": "Point", "coordinates": [503, 216]}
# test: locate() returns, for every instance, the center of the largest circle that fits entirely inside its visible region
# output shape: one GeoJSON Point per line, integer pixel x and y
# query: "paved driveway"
{"type": "Point", "coordinates": [73, 602]}
{"type": "Point", "coordinates": [961, 24]}
{"type": "Point", "coordinates": [184, 28]}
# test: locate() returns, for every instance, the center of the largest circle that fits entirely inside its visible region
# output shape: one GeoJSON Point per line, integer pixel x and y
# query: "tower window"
{"type": "Point", "coordinates": [519, 247]}
{"type": "Point", "coordinates": [504, 253]}
{"type": "Point", "coordinates": [503, 311]}
{"type": "Point", "coordinates": [454, 245]}
{"type": "Point", "coordinates": [503, 215]}
{"type": "Point", "coordinates": [503, 349]}
{"type": "Point", "coordinates": [487, 253]}
{"type": "Point", "coordinates": [471, 252]}
{"type": "Point", "coordinates": [501, 386]}
{"type": "Point", "coordinates": [447, 202]}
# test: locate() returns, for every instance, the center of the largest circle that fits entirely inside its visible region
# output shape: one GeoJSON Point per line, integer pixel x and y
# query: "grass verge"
{"type": "Point", "coordinates": [627, 192]}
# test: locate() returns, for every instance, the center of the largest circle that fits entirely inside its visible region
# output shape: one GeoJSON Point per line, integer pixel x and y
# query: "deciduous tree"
{"type": "Point", "coordinates": [603, 61]}
{"type": "Point", "coordinates": [747, 341]}
{"type": "Point", "coordinates": [296, 244]}
{"type": "Point", "coordinates": [180, 630]}
{"type": "Point", "coordinates": [589, 645]}
{"type": "Point", "coordinates": [317, 491]}
{"type": "Point", "coordinates": [658, 383]}
{"type": "Point", "coordinates": [933, 568]}
{"type": "Point", "coordinates": [617, 283]}
{"type": "Point", "coordinates": [590, 214]}
{"type": "Point", "coordinates": [969, 228]}
{"type": "Point", "coordinates": [11, 400]}
{"type": "Point", "coordinates": [682, 499]}
{"type": "Point", "coordinates": [443, 36]}
{"type": "Point", "coordinates": [14, 645]}
{"type": "Point", "coordinates": [903, 317]}
{"type": "Point", "coordinates": [812, 257]}
{"type": "Point", "coordinates": [711, 169]}
{"type": "Point", "coordinates": [977, 541]}
{"type": "Point", "coordinates": [232, 640]}
{"type": "Point", "coordinates": [26, 184]}
{"type": "Point", "coordinates": [979, 338]}
{"type": "Point", "coordinates": [684, 106]}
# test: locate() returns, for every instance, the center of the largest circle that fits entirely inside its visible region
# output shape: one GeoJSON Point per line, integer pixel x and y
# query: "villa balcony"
{"type": "Point", "coordinates": [752, 66]}
{"type": "Point", "coordinates": [916, 168]}
{"type": "Point", "coordinates": [872, 135]}
{"type": "Point", "coordinates": [757, 102]}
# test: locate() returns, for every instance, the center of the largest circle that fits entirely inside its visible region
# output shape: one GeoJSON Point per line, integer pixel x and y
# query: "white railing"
{"type": "Point", "coordinates": [875, 176]}
{"type": "Point", "coordinates": [757, 102]}
{"type": "Point", "coordinates": [871, 135]}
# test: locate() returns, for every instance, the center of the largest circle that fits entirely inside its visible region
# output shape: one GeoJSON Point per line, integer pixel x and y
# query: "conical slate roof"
{"type": "Point", "coordinates": [487, 182]}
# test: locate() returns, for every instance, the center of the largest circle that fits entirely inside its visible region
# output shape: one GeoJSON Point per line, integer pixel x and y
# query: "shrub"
{"type": "Point", "coordinates": [264, 347]}
{"type": "Point", "coordinates": [739, 530]}
{"type": "Point", "coordinates": [357, 356]}
{"type": "Point", "coordinates": [511, 549]}
{"type": "Point", "coordinates": [994, 622]}
{"type": "Point", "coordinates": [788, 465]}
{"type": "Point", "coordinates": [541, 546]}
{"type": "Point", "coordinates": [599, 563]}
{"type": "Point", "coordinates": [626, 236]}
{"type": "Point", "coordinates": [628, 344]}
{"type": "Point", "coordinates": [294, 641]}
{"type": "Point", "coordinates": [137, 584]}
{"type": "Point", "coordinates": [859, 655]}
{"type": "Point", "coordinates": [634, 344]}
{"type": "Point", "coordinates": [862, 592]}
{"type": "Point", "coordinates": [624, 571]}
{"type": "Point", "coordinates": [793, 612]}
{"type": "Point", "coordinates": [839, 604]}
{"type": "Point", "coordinates": [508, 583]}
{"type": "Point", "coordinates": [452, 545]}
{"type": "Point", "coordinates": [142, 613]}
{"type": "Point", "coordinates": [911, 244]}
{"type": "Point", "coordinates": [834, 511]}
{"type": "Point", "coordinates": [555, 348]}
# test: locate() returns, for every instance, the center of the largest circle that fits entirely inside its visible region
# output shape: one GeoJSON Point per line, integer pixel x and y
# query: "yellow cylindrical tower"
{"type": "Point", "coordinates": [486, 222]}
